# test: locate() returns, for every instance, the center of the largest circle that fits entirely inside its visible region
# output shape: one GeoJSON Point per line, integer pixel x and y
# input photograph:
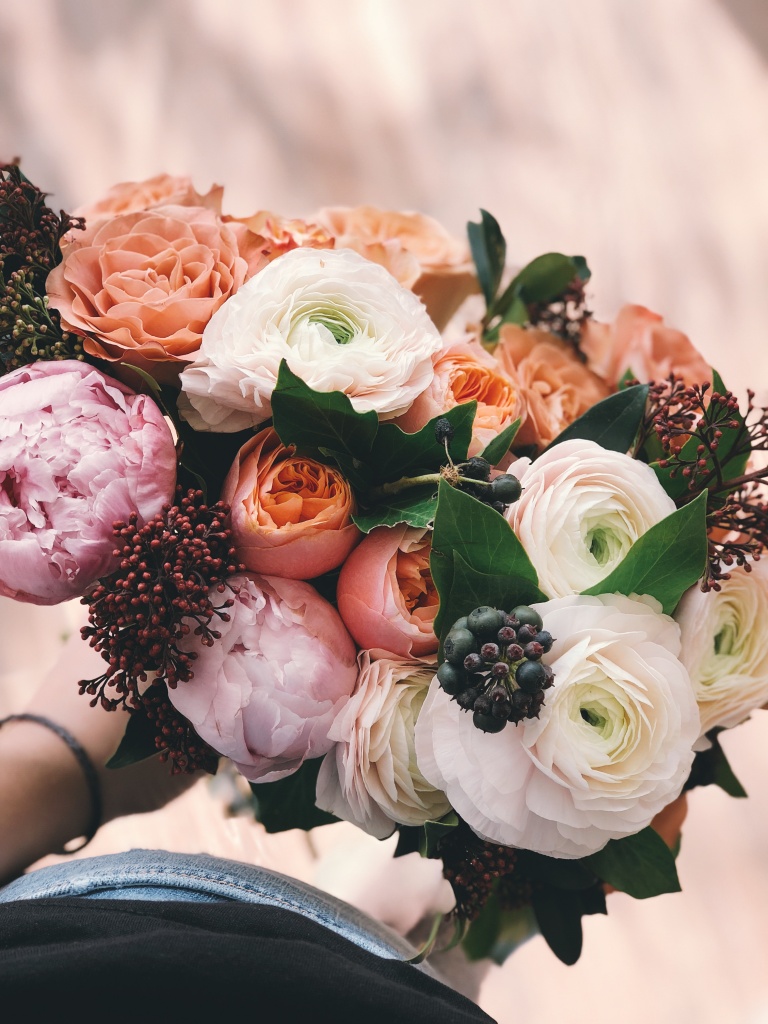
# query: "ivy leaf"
{"type": "Point", "coordinates": [558, 914]}
{"type": "Point", "coordinates": [489, 251]}
{"type": "Point", "coordinates": [480, 538]}
{"type": "Point", "coordinates": [541, 281]}
{"type": "Point", "coordinates": [395, 454]}
{"type": "Point", "coordinates": [416, 507]}
{"type": "Point", "coordinates": [290, 802]}
{"type": "Point", "coordinates": [408, 840]}
{"type": "Point", "coordinates": [563, 874]}
{"type": "Point", "coordinates": [315, 420]}
{"type": "Point", "coordinates": [496, 449]}
{"type": "Point", "coordinates": [666, 560]}
{"type": "Point", "coordinates": [496, 933]}
{"type": "Point", "coordinates": [138, 742]}
{"type": "Point", "coordinates": [641, 865]}
{"type": "Point", "coordinates": [434, 831]}
{"type": "Point", "coordinates": [612, 423]}
{"type": "Point", "coordinates": [711, 768]}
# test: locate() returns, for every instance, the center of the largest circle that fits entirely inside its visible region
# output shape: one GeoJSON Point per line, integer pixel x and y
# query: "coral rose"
{"type": "Point", "coordinates": [78, 451]}
{"type": "Point", "coordinates": [266, 693]}
{"type": "Point", "coordinates": [556, 388]}
{"type": "Point", "coordinates": [638, 340]}
{"type": "Point", "coordinates": [341, 323]}
{"type": "Point", "coordinates": [143, 286]}
{"type": "Point", "coordinates": [385, 592]}
{"type": "Point", "coordinates": [371, 777]}
{"type": "Point", "coordinates": [162, 190]}
{"type": "Point", "coordinates": [282, 235]}
{"type": "Point", "coordinates": [613, 745]}
{"type": "Point", "coordinates": [581, 510]}
{"type": "Point", "coordinates": [291, 516]}
{"type": "Point", "coordinates": [415, 249]}
{"type": "Point", "coordinates": [463, 373]}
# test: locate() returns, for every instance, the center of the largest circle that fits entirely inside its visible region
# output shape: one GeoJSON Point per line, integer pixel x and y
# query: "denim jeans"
{"type": "Point", "coordinates": [157, 875]}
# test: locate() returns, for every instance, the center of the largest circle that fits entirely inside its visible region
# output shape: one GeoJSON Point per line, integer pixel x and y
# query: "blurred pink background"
{"type": "Point", "coordinates": [635, 134]}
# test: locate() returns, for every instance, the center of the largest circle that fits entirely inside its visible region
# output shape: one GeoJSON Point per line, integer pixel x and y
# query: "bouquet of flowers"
{"type": "Point", "coordinates": [408, 537]}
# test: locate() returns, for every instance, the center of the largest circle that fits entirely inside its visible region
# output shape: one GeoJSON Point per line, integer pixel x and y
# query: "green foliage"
{"type": "Point", "coordinates": [496, 933]}
{"type": "Point", "coordinates": [489, 251]}
{"type": "Point", "coordinates": [415, 507]}
{"type": "Point", "coordinates": [290, 802]}
{"type": "Point", "coordinates": [711, 768]}
{"type": "Point", "coordinates": [395, 454]}
{"type": "Point", "coordinates": [612, 423]}
{"type": "Point", "coordinates": [641, 865]}
{"type": "Point", "coordinates": [666, 560]}
{"type": "Point", "coordinates": [138, 742]}
{"type": "Point", "coordinates": [434, 831]}
{"type": "Point", "coordinates": [496, 449]}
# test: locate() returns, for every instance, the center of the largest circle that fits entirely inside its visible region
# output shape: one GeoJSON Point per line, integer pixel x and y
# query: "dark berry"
{"type": "Point", "coordinates": [452, 679]}
{"type": "Point", "coordinates": [485, 622]}
{"type": "Point", "coordinates": [515, 652]}
{"type": "Point", "coordinates": [466, 700]}
{"type": "Point", "coordinates": [458, 644]}
{"type": "Point", "coordinates": [521, 700]}
{"type": "Point", "coordinates": [483, 704]}
{"type": "Point", "coordinates": [476, 468]}
{"type": "Point", "coordinates": [550, 678]}
{"type": "Point", "coordinates": [506, 488]}
{"type": "Point", "coordinates": [526, 633]}
{"type": "Point", "coordinates": [490, 652]}
{"type": "Point", "coordinates": [488, 723]}
{"type": "Point", "coordinates": [460, 623]}
{"type": "Point", "coordinates": [444, 430]}
{"type": "Point", "coordinates": [545, 638]}
{"type": "Point", "coordinates": [497, 506]}
{"type": "Point", "coordinates": [506, 635]}
{"type": "Point", "coordinates": [500, 670]}
{"type": "Point", "coordinates": [530, 676]}
{"type": "Point", "coordinates": [528, 616]}
{"type": "Point", "coordinates": [473, 663]}
{"type": "Point", "coordinates": [533, 650]}
{"type": "Point", "coordinates": [502, 708]}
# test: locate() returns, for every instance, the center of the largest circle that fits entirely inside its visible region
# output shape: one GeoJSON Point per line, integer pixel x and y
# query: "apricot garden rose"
{"type": "Point", "coordinates": [161, 190]}
{"type": "Point", "coordinates": [291, 516]}
{"type": "Point", "coordinates": [341, 322]}
{"type": "Point", "coordinates": [613, 745]}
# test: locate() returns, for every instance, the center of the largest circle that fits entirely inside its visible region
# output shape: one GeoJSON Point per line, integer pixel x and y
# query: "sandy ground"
{"type": "Point", "coordinates": [632, 133]}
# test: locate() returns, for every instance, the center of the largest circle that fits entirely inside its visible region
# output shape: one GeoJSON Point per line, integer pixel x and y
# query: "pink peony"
{"type": "Point", "coordinates": [78, 451]}
{"type": "Point", "coordinates": [266, 693]}
{"type": "Point", "coordinates": [385, 593]}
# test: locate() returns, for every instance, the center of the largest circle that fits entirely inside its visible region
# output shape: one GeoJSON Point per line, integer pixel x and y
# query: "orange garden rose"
{"type": "Point", "coordinates": [638, 340]}
{"type": "Point", "coordinates": [162, 190]}
{"type": "Point", "coordinates": [385, 593]}
{"type": "Point", "coordinates": [415, 249]}
{"type": "Point", "coordinates": [556, 387]}
{"type": "Point", "coordinates": [463, 373]}
{"type": "Point", "coordinates": [291, 516]}
{"type": "Point", "coordinates": [281, 234]}
{"type": "Point", "coordinates": [141, 287]}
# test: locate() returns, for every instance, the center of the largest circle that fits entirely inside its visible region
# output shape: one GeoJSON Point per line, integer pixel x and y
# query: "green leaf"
{"type": "Point", "coordinates": [563, 874]}
{"type": "Point", "coordinates": [641, 865]}
{"type": "Point", "coordinates": [208, 456]}
{"type": "Point", "coordinates": [481, 538]}
{"type": "Point", "coordinates": [612, 423]}
{"type": "Point", "coordinates": [666, 560]}
{"type": "Point", "coordinates": [137, 744]}
{"type": "Point", "coordinates": [711, 768]}
{"type": "Point", "coordinates": [315, 420]}
{"type": "Point", "coordinates": [626, 379]}
{"type": "Point", "coordinates": [489, 251]}
{"type": "Point", "coordinates": [515, 313]}
{"type": "Point", "coordinates": [408, 840]}
{"type": "Point", "coordinates": [290, 802]}
{"type": "Point", "coordinates": [496, 449]}
{"type": "Point", "coordinates": [484, 931]}
{"type": "Point", "coordinates": [541, 281]}
{"type": "Point", "coordinates": [416, 507]}
{"type": "Point", "coordinates": [434, 831]}
{"type": "Point", "coordinates": [582, 270]}
{"type": "Point", "coordinates": [558, 914]}
{"type": "Point", "coordinates": [395, 454]}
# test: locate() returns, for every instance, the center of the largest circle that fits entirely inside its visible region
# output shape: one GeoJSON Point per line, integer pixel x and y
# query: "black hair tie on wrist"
{"type": "Point", "coordinates": [86, 764]}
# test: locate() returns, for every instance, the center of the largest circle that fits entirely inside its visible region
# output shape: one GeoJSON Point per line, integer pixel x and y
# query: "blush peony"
{"type": "Point", "coordinates": [341, 322]}
{"type": "Point", "coordinates": [612, 748]}
{"type": "Point", "coordinates": [291, 516]}
{"type": "Point", "coordinates": [78, 451]}
{"type": "Point", "coordinates": [582, 509]}
{"type": "Point", "coordinates": [142, 286]}
{"type": "Point", "coordinates": [385, 592]}
{"type": "Point", "coordinates": [371, 777]}
{"type": "Point", "coordinates": [266, 694]}
{"type": "Point", "coordinates": [724, 648]}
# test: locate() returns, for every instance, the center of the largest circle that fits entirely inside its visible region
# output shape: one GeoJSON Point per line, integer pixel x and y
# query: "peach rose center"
{"type": "Point", "coordinates": [415, 580]}
{"type": "Point", "coordinates": [300, 491]}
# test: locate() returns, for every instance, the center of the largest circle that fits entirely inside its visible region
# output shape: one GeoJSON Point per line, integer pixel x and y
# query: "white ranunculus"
{"type": "Point", "coordinates": [582, 509]}
{"type": "Point", "coordinates": [342, 323]}
{"type": "Point", "coordinates": [371, 777]}
{"type": "Point", "coordinates": [724, 649]}
{"type": "Point", "coordinates": [613, 745]}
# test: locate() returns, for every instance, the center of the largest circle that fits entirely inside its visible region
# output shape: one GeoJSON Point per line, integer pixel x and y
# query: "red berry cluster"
{"type": "Point", "coordinates": [140, 615]}
{"type": "Point", "coordinates": [473, 867]}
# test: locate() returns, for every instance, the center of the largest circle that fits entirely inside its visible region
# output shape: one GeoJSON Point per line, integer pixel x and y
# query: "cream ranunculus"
{"type": "Point", "coordinates": [724, 648]}
{"type": "Point", "coordinates": [341, 322]}
{"type": "Point", "coordinates": [582, 509]}
{"type": "Point", "coordinates": [371, 778]}
{"type": "Point", "coordinates": [613, 745]}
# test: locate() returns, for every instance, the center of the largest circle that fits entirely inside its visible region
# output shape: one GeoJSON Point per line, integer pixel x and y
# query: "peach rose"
{"type": "Point", "coordinates": [281, 234]}
{"type": "Point", "coordinates": [142, 287]}
{"type": "Point", "coordinates": [415, 249]}
{"type": "Point", "coordinates": [637, 340]}
{"type": "Point", "coordinates": [162, 190]}
{"type": "Point", "coordinates": [385, 593]}
{"type": "Point", "coordinates": [556, 388]}
{"type": "Point", "coordinates": [291, 516]}
{"type": "Point", "coordinates": [465, 372]}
